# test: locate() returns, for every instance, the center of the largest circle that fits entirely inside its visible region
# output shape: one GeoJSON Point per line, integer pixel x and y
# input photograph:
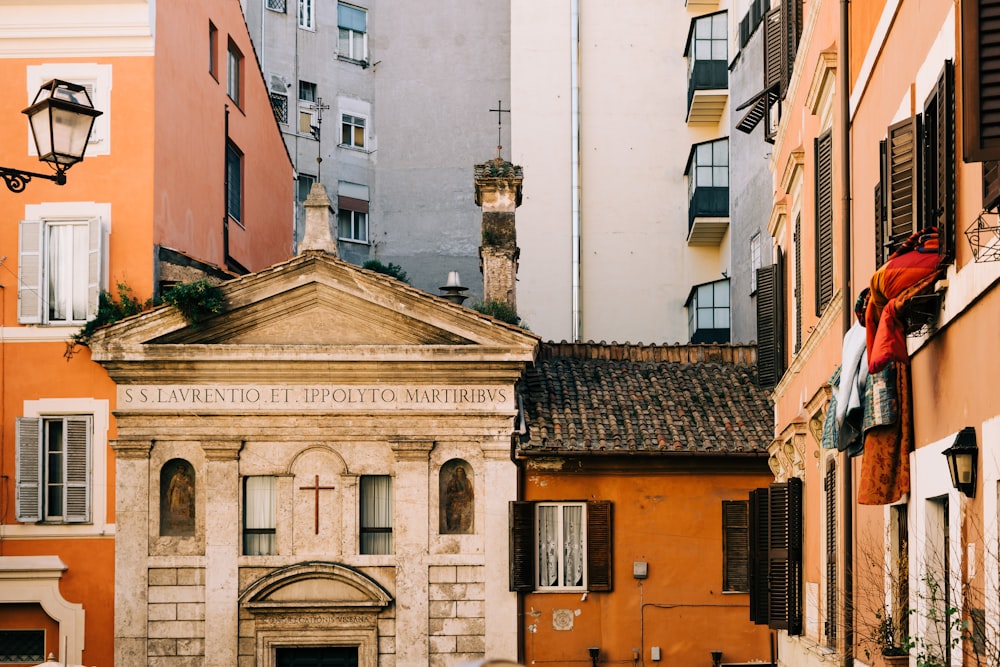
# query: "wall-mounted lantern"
{"type": "Point", "coordinates": [962, 457]}
{"type": "Point", "coordinates": [61, 118]}
{"type": "Point", "coordinates": [595, 653]}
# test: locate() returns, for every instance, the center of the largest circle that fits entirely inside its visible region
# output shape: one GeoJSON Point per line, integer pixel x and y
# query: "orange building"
{"type": "Point", "coordinates": [629, 541]}
{"type": "Point", "coordinates": [883, 133]}
{"type": "Point", "coordinates": [185, 176]}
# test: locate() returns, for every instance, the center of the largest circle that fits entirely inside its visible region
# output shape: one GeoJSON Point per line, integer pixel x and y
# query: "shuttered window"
{"type": "Point", "coordinates": [735, 546]}
{"type": "Point", "coordinates": [776, 556]}
{"type": "Point", "coordinates": [980, 81]}
{"type": "Point", "coordinates": [823, 146]}
{"type": "Point", "coordinates": [770, 323]}
{"type": "Point", "coordinates": [60, 270]}
{"type": "Point", "coordinates": [903, 173]}
{"type": "Point", "coordinates": [797, 290]}
{"type": "Point", "coordinates": [991, 184]}
{"type": "Point", "coordinates": [830, 498]}
{"type": "Point", "coordinates": [782, 31]}
{"type": "Point", "coordinates": [559, 546]}
{"type": "Point", "coordinates": [53, 469]}
{"type": "Point", "coordinates": [939, 160]}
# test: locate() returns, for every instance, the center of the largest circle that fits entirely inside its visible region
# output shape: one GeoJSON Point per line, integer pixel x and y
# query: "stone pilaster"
{"type": "Point", "coordinates": [410, 525]}
{"type": "Point", "coordinates": [501, 612]}
{"type": "Point", "coordinates": [222, 550]}
{"type": "Point", "coordinates": [131, 549]}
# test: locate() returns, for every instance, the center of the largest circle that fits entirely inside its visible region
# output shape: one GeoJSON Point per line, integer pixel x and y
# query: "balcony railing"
{"type": "Point", "coordinates": [707, 91]}
{"type": "Point", "coordinates": [708, 215]}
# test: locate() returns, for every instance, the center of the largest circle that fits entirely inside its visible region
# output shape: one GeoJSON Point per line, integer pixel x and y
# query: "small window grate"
{"type": "Point", "coordinates": [22, 646]}
{"type": "Point", "coordinates": [276, 5]}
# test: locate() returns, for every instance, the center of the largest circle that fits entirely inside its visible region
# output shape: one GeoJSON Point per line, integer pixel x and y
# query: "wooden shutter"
{"type": "Point", "coordinates": [879, 210]}
{"type": "Point", "coordinates": [784, 556]}
{"type": "Point", "coordinates": [903, 178]}
{"type": "Point", "coordinates": [772, 51]}
{"type": "Point", "coordinates": [95, 260]}
{"type": "Point", "coordinates": [29, 272]}
{"type": "Point", "coordinates": [830, 489]}
{"type": "Point", "coordinates": [735, 546]}
{"type": "Point", "coordinates": [823, 146]}
{"type": "Point", "coordinates": [599, 546]}
{"type": "Point", "coordinates": [522, 546]}
{"type": "Point", "coordinates": [939, 161]}
{"type": "Point", "coordinates": [28, 467]}
{"type": "Point", "coordinates": [757, 509]}
{"type": "Point", "coordinates": [791, 31]}
{"type": "Point", "coordinates": [980, 81]}
{"type": "Point", "coordinates": [78, 445]}
{"type": "Point", "coordinates": [991, 184]}
{"type": "Point", "coordinates": [770, 324]}
{"type": "Point", "coordinates": [797, 291]}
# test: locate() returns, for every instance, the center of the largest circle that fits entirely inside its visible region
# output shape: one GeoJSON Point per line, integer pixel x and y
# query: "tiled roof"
{"type": "Point", "coordinates": [595, 397]}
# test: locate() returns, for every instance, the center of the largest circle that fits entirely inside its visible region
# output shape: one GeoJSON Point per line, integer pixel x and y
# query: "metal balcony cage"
{"type": "Point", "coordinates": [984, 237]}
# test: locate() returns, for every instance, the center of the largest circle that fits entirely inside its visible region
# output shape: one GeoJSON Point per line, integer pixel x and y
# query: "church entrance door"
{"type": "Point", "coordinates": [318, 656]}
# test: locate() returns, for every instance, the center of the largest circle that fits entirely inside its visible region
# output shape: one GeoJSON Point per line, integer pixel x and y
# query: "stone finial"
{"type": "Point", "coordinates": [318, 234]}
{"type": "Point", "coordinates": [498, 192]}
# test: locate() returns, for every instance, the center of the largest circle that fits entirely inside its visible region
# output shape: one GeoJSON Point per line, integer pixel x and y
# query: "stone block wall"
{"type": "Point", "coordinates": [176, 617]}
{"type": "Point", "coordinates": [456, 614]}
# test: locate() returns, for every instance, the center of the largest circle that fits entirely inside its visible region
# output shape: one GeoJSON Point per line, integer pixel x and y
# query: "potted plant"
{"type": "Point", "coordinates": [891, 641]}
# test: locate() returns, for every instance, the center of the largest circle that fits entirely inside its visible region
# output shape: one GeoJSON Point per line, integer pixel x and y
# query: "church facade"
{"type": "Point", "coordinates": [324, 466]}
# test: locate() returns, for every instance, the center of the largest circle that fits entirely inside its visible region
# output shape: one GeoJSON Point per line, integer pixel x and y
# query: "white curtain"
{"type": "Point", "coordinates": [376, 514]}
{"type": "Point", "coordinates": [260, 516]}
{"type": "Point", "coordinates": [548, 545]}
{"type": "Point", "coordinates": [68, 246]}
{"type": "Point", "coordinates": [573, 545]}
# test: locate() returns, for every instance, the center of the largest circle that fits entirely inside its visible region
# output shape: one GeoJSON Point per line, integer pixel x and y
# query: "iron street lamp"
{"type": "Point", "coordinates": [61, 119]}
{"type": "Point", "coordinates": [962, 461]}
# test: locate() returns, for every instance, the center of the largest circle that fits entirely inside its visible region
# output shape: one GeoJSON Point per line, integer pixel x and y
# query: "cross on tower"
{"type": "Point", "coordinates": [318, 107]}
{"type": "Point", "coordinates": [500, 110]}
{"type": "Point", "coordinates": [317, 488]}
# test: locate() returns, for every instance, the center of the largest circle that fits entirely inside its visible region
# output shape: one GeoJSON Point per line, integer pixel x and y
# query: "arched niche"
{"type": "Point", "coordinates": [177, 498]}
{"type": "Point", "coordinates": [457, 498]}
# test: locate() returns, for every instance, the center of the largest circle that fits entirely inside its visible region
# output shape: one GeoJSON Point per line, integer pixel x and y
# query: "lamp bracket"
{"type": "Point", "coordinates": [16, 179]}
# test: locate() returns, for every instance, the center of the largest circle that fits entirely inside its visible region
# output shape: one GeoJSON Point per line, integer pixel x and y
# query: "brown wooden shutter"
{"type": "Point", "coordinates": [823, 146]}
{"type": "Point", "coordinates": [735, 546]}
{"type": "Point", "coordinates": [784, 556]}
{"type": "Point", "coordinates": [903, 172]}
{"type": "Point", "coordinates": [980, 80]}
{"type": "Point", "coordinates": [522, 546]}
{"type": "Point", "coordinates": [797, 291]}
{"type": "Point", "coordinates": [991, 184]}
{"type": "Point", "coordinates": [773, 51]}
{"type": "Point", "coordinates": [758, 555]}
{"type": "Point", "coordinates": [599, 546]}
{"type": "Point", "coordinates": [791, 31]}
{"type": "Point", "coordinates": [939, 161]}
{"type": "Point", "coordinates": [830, 489]}
{"type": "Point", "coordinates": [770, 324]}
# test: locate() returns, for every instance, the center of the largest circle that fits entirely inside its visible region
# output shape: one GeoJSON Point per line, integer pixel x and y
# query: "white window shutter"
{"type": "Point", "coordinates": [95, 260]}
{"type": "Point", "coordinates": [78, 439]}
{"type": "Point", "coordinates": [29, 272]}
{"type": "Point", "coordinates": [28, 466]}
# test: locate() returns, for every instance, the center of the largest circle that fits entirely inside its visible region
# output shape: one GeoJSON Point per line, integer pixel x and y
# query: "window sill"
{"type": "Point", "coordinates": [353, 241]}
{"type": "Point", "coordinates": [363, 64]}
{"type": "Point", "coordinates": [356, 149]}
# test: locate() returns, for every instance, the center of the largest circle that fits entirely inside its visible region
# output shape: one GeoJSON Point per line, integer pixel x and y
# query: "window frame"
{"type": "Point", "coordinates": [351, 36]}
{"type": "Point", "coordinates": [33, 469]}
{"type": "Point", "coordinates": [364, 528]}
{"type": "Point", "coordinates": [352, 132]}
{"type": "Point", "coordinates": [823, 156]}
{"type": "Point", "coordinates": [307, 14]}
{"type": "Point", "coordinates": [234, 73]}
{"type": "Point", "coordinates": [234, 182]}
{"type": "Point", "coordinates": [279, 104]}
{"type": "Point", "coordinates": [256, 532]}
{"type": "Point", "coordinates": [776, 556]}
{"type": "Point", "coordinates": [696, 310]}
{"type": "Point", "coordinates": [301, 192]}
{"type": "Point", "coordinates": [213, 50]}
{"type": "Point", "coordinates": [279, 6]}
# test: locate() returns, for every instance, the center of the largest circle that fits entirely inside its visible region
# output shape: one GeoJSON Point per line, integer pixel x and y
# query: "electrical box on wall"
{"type": "Point", "coordinates": [639, 569]}
{"type": "Point", "coordinates": [654, 653]}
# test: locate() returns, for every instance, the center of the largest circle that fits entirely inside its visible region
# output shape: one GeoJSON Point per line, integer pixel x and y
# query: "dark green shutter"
{"type": "Point", "coordinates": [522, 546]}
{"type": "Point", "coordinates": [773, 67]}
{"type": "Point", "coordinates": [735, 546]}
{"type": "Point", "coordinates": [791, 32]}
{"type": "Point", "coordinates": [599, 546]}
{"type": "Point", "coordinates": [939, 161]}
{"type": "Point", "coordinates": [797, 291]}
{"type": "Point", "coordinates": [903, 171]}
{"type": "Point", "coordinates": [830, 489]}
{"type": "Point", "coordinates": [770, 323]}
{"type": "Point", "coordinates": [784, 556]}
{"type": "Point", "coordinates": [758, 555]}
{"type": "Point", "coordinates": [823, 146]}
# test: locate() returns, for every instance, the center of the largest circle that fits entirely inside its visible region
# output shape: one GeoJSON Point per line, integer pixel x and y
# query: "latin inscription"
{"type": "Point", "coordinates": [311, 397]}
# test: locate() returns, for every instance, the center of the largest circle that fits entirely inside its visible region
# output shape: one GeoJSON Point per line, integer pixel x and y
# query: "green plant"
{"type": "Point", "coordinates": [499, 310]}
{"type": "Point", "coordinates": [109, 311]}
{"type": "Point", "coordinates": [390, 269]}
{"type": "Point", "coordinates": [196, 300]}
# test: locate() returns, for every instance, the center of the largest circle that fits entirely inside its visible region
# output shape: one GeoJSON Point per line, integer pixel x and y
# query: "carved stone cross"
{"type": "Point", "coordinates": [316, 488]}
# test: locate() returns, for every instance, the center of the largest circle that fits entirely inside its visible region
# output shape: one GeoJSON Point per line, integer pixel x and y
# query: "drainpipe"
{"type": "Point", "coordinates": [844, 84]}
{"type": "Point", "coordinates": [574, 82]}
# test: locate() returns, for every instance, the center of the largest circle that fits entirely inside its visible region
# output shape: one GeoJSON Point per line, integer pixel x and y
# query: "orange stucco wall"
{"type": "Point", "coordinates": [671, 520]}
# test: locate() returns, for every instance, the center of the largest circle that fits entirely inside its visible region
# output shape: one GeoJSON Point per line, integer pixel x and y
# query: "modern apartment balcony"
{"type": "Point", "coordinates": [708, 216]}
{"type": "Point", "coordinates": [708, 91]}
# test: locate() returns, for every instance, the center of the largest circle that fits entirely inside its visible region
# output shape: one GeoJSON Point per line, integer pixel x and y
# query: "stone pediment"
{"type": "Point", "coordinates": [313, 301]}
{"type": "Point", "coordinates": [315, 586]}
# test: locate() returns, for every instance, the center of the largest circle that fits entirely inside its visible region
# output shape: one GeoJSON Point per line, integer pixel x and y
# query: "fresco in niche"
{"type": "Point", "coordinates": [457, 498]}
{"type": "Point", "coordinates": [177, 498]}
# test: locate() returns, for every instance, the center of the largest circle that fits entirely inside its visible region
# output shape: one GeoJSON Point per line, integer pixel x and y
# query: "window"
{"type": "Point", "coordinates": [823, 147]}
{"type": "Point", "coordinates": [307, 91]}
{"type": "Point", "coordinates": [770, 323]}
{"type": "Point", "coordinates": [307, 102]}
{"type": "Point", "coordinates": [306, 17]}
{"type": "Point", "coordinates": [352, 131]}
{"type": "Point", "coordinates": [352, 42]}
{"type": "Point", "coordinates": [980, 123]}
{"type": "Point", "coordinates": [260, 516]}
{"type": "Point", "coordinates": [754, 261]}
{"type": "Point", "coordinates": [708, 312]}
{"type": "Point", "coordinates": [53, 469]}
{"type": "Point", "coordinates": [830, 502]}
{"type": "Point", "coordinates": [782, 31]}
{"type": "Point", "coordinates": [797, 287]}
{"type": "Point", "coordinates": [60, 272]}
{"type": "Point", "coordinates": [708, 166]}
{"type": "Point", "coordinates": [279, 103]}
{"type": "Point", "coordinates": [276, 5]}
{"type": "Point", "coordinates": [752, 19]}
{"type": "Point", "coordinates": [20, 646]}
{"type": "Point", "coordinates": [304, 186]}
{"type": "Point", "coordinates": [560, 546]}
{"type": "Point", "coordinates": [234, 76]}
{"type": "Point", "coordinates": [234, 182]}
{"type": "Point", "coordinates": [776, 556]}
{"type": "Point", "coordinates": [317, 656]}
{"type": "Point", "coordinates": [213, 50]}
{"type": "Point", "coordinates": [352, 212]}
{"type": "Point", "coordinates": [735, 546]}
{"type": "Point", "coordinates": [376, 514]}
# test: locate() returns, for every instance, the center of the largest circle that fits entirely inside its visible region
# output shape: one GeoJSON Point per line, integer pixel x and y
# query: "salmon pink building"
{"type": "Point", "coordinates": [185, 177]}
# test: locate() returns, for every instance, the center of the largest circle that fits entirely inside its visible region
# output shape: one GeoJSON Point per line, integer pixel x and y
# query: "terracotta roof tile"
{"type": "Point", "coordinates": [597, 397]}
